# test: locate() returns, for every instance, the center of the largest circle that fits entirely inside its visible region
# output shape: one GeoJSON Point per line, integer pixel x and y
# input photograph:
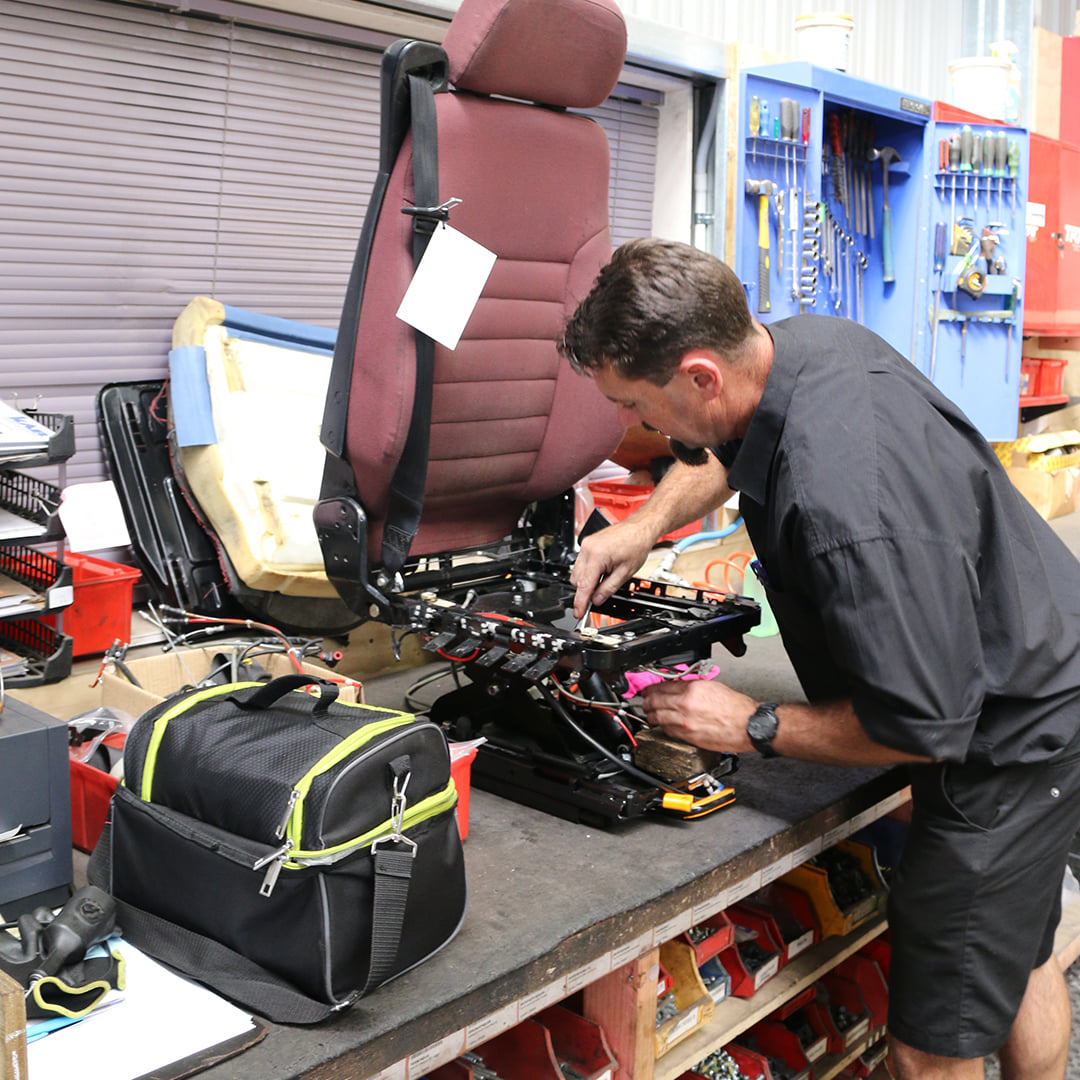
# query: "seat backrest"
{"type": "Point", "coordinates": [511, 423]}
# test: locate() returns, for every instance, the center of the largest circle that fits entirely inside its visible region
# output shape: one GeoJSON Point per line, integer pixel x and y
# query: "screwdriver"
{"type": "Point", "coordinates": [1014, 169]}
{"type": "Point", "coordinates": [1001, 155]}
{"type": "Point", "coordinates": [939, 269]}
{"type": "Point", "coordinates": [965, 156]}
{"type": "Point", "coordinates": [976, 165]}
{"type": "Point", "coordinates": [954, 164]}
{"type": "Point", "coordinates": [805, 145]}
{"type": "Point", "coordinates": [755, 125]}
{"type": "Point", "coordinates": [789, 111]}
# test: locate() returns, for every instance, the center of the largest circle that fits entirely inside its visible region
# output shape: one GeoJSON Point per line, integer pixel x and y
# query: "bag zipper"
{"type": "Point", "coordinates": [423, 811]}
{"type": "Point", "coordinates": [284, 857]}
{"type": "Point", "coordinates": [162, 723]}
{"type": "Point", "coordinates": [292, 820]}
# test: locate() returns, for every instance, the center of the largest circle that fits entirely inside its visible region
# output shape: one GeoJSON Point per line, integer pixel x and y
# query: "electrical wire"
{"type": "Point", "coordinates": [616, 714]}
{"type": "Point", "coordinates": [626, 767]}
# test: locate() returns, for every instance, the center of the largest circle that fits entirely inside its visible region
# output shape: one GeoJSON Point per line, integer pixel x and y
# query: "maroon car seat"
{"type": "Point", "coordinates": [501, 421]}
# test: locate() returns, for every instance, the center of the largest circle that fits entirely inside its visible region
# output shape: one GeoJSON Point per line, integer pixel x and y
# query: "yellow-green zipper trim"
{"type": "Point", "coordinates": [414, 815]}
{"type": "Point", "coordinates": [162, 722]}
{"type": "Point", "coordinates": [295, 828]}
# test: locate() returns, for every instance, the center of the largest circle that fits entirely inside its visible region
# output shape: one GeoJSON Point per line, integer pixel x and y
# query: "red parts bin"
{"type": "Point", "coordinates": [620, 500]}
{"type": "Point", "coordinates": [101, 610]}
{"type": "Point", "coordinates": [1029, 376]}
{"type": "Point", "coordinates": [1051, 377]}
{"type": "Point", "coordinates": [91, 790]}
{"type": "Point", "coordinates": [461, 771]}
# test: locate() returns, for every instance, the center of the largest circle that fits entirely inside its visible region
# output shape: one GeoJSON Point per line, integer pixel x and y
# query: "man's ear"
{"type": "Point", "coordinates": [705, 371]}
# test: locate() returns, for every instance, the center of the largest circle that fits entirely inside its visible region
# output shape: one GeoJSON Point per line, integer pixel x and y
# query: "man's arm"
{"type": "Point", "coordinates": [686, 493]}
{"type": "Point", "coordinates": [714, 716]}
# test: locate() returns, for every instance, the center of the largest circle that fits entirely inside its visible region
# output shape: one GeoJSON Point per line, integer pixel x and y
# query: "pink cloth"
{"type": "Point", "coordinates": [638, 680]}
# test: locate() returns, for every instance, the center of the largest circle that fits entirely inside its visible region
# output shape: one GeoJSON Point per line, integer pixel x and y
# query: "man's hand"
{"type": "Point", "coordinates": [714, 717]}
{"type": "Point", "coordinates": [614, 554]}
{"type": "Point", "coordinates": [706, 714]}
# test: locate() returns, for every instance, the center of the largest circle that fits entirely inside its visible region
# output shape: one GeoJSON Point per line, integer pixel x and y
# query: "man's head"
{"type": "Point", "coordinates": [651, 304]}
{"type": "Point", "coordinates": [659, 330]}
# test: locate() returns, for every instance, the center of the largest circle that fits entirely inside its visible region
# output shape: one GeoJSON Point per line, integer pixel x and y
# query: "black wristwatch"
{"type": "Point", "coordinates": [762, 727]}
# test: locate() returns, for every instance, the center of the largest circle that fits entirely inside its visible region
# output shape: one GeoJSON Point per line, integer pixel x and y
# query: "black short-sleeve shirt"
{"type": "Point", "coordinates": [904, 569]}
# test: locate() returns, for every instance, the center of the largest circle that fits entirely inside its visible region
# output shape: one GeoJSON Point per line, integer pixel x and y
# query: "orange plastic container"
{"type": "Point", "coordinates": [101, 610]}
{"type": "Point", "coordinates": [620, 500]}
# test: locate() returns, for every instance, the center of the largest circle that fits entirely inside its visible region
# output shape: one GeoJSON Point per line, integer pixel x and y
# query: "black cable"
{"type": "Point", "coordinates": [126, 672]}
{"type": "Point", "coordinates": [631, 770]}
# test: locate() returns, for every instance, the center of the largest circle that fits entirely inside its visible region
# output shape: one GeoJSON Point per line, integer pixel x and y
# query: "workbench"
{"type": "Point", "coordinates": [556, 908]}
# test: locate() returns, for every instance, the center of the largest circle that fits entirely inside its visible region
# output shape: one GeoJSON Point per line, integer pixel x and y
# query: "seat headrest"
{"type": "Point", "coordinates": [555, 52]}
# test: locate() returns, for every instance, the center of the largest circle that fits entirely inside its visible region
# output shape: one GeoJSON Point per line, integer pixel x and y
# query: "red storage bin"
{"type": "Point", "coordinates": [721, 937]}
{"type": "Point", "coordinates": [461, 770]}
{"type": "Point", "coordinates": [620, 500]}
{"type": "Point", "coordinates": [750, 1064]}
{"type": "Point", "coordinates": [1051, 377]}
{"type": "Point", "coordinates": [91, 790]}
{"type": "Point", "coordinates": [101, 610]}
{"type": "Point", "coordinates": [1029, 376]}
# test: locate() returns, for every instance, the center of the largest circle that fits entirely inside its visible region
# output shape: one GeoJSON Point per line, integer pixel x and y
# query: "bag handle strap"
{"type": "Point", "coordinates": [277, 688]}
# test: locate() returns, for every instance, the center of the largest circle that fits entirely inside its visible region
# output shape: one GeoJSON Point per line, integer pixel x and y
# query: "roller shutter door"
{"type": "Point", "coordinates": [148, 157]}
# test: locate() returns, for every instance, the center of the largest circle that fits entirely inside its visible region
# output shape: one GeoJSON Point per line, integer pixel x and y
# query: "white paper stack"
{"type": "Point", "coordinates": [21, 434]}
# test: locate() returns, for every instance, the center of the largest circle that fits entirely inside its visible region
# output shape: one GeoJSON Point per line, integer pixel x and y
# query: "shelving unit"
{"type": "Point", "coordinates": [735, 1015]}
{"type": "Point", "coordinates": [32, 582]}
{"type": "Point", "coordinates": [528, 943]}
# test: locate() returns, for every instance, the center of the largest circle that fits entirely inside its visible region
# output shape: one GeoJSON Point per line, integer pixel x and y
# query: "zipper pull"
{"type": "Point", "coordinates": [273, 863]}
{"type": "Point", "coordinates": [294, 798]}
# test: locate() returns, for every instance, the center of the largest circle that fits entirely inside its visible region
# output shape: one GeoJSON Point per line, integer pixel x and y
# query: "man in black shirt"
{"type": "Point", "coordinates": [932, 618]}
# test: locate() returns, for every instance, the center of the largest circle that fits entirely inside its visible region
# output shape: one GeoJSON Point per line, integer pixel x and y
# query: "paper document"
{"type": "Point", "coordinates": [163, 1018]}
{"type": "Point", "coordinates": [93, 517]}
{"type": "Point", "coordinates": [20, 433]}
{"type": "Point", "coordinates": [447, 283]}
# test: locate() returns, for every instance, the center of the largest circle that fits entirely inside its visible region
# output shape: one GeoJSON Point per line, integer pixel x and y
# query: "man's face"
{"type": "Point", "coordinates": [672, 409]}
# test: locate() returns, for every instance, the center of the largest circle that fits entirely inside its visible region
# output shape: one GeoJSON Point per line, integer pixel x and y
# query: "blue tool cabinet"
{"type": "Point", "coordinates": [842, 256]}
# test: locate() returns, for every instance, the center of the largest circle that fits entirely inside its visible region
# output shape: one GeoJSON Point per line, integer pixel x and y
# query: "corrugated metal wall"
{"type": "Point", "coordinates": [906, 45]}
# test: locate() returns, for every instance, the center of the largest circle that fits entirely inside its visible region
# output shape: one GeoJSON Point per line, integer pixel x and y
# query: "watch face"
{"type": "Point", "coordinates": [762, 728]}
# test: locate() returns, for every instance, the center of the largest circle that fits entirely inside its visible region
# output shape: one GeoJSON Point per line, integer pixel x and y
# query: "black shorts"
{"type": "Point", "coordinates": [976, 898]}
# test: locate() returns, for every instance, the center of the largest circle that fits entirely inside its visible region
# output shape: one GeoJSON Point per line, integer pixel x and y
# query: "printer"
{"type": "Point", "coordinates": [35, 810]}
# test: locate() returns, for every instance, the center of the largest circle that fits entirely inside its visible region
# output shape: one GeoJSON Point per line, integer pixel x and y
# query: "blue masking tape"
{"type": "Point", "coordinates": [189, 397]}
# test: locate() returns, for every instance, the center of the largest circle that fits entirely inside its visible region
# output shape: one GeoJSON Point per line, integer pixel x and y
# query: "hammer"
{"type": "Point", "coordinates": [885, 154]}
{"type": "Point", "coordinates": [763, 189]}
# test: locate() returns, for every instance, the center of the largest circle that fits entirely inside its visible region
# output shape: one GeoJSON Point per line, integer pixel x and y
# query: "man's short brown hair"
{"type": "Point", "coordinates": [651, 304]}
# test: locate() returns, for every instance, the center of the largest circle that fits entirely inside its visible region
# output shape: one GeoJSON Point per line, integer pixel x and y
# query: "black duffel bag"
{"type": "Point", "coordinates": [291, 851]}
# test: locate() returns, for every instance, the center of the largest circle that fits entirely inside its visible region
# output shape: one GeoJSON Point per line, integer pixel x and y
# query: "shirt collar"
{"type": "Point", "coordinates": [749, 471]}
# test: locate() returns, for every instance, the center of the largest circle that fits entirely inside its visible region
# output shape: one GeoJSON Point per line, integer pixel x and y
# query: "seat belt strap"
{"type": "Point", "coordinates": [406, 496]}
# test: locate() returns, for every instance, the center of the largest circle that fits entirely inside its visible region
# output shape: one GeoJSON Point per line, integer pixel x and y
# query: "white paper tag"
{"type": "Point", "coordinates": [93, 517]}
{"type": "Point", "coordinates": [447, 283]}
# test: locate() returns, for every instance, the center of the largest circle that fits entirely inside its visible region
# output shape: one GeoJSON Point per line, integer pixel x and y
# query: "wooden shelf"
{"type": "Point", "coordinates": [735, 1015]}
{"type": "Point", "coordinates": [833, 1064]}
